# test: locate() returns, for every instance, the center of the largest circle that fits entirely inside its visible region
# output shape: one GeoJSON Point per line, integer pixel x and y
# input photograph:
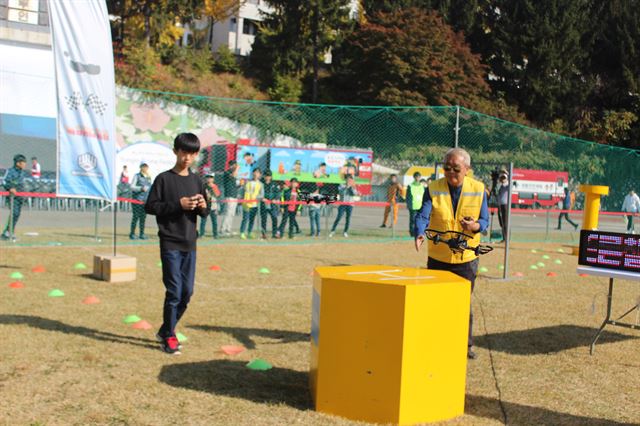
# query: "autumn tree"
{"type": "Point", "coordinates": [410, 57]}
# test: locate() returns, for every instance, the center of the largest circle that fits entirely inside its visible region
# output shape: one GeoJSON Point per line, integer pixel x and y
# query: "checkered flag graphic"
{"type": "Point", "coordinates": [74, 101]}
{"type": "Point", "coordinates": [94, 103]}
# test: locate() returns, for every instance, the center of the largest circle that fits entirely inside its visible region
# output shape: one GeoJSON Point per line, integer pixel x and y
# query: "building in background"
{"type": "Point", "coordinates": [239, 32]}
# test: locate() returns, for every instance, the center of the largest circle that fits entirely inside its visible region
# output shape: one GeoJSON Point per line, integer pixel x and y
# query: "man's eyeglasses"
{"type": "Point", "coordinates": [456, 169]}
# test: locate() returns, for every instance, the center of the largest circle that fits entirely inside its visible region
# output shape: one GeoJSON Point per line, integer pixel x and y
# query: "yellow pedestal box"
{"type": "Point", "coordinates": [389, 344]}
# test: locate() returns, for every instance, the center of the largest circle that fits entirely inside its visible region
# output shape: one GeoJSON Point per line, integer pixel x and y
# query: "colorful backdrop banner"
{"type": "Point", "coordinates": [85, 90]}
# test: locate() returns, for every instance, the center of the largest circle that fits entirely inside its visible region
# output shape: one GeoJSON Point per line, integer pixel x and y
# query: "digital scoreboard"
{"type": "Point", "coordinates": [610, 250]}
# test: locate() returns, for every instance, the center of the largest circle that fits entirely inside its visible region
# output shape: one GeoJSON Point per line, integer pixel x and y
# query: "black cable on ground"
{"type": "Point", "coordinates": [493, 368]}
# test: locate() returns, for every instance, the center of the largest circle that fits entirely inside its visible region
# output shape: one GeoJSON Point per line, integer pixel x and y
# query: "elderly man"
{"type": "Point", "coordinates": [454, 203]}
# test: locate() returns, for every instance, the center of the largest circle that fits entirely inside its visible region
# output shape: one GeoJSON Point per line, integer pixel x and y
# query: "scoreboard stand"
{"type": "Point", "coordinates": [612, 255]}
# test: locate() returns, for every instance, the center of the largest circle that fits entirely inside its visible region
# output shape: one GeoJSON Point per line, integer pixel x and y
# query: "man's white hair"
{"type": "Point", "coordinates": [458, 152]}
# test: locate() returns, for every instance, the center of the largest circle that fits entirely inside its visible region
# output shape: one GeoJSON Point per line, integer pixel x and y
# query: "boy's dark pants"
{"type": "Point", "coordinates": [265, 212]}
{"type": "Point", "coordinates": [178, 275]}
{"type": "Point", "coordinates": [291, 218]}
{"type": "Point", "coordinates": [343, 209]}
{"type": "Point", "coordinates": [17, 208]}
{"type": "Point", "coordinates": [214, 222]}
{"type": "Point", "coordinates": [468, 271]}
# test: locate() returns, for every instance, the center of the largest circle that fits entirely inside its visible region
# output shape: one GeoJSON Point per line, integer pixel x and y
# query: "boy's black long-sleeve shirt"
{"type": "Point", "coordinates": [177, 227]}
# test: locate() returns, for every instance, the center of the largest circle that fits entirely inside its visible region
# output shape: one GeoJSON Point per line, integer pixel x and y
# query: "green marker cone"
{"type": "Point", "coordinates": [264, 270]}
{"type": "Point", "coordinates": [130, 319]}
{"type": "Point", "coordinates": [483, 269]}
{"type": "Point", "coordinates": [534, 251]}
{"type": "Point", "coordinates": [501, 267]}
{"type": "Point", "coordinates": [259, 365]}
{"type": "Point", "coordinates": [181, 337]}
{"type": "Point", "coordinates": [533, 267]}
{"type": "Point", "coordinates": [79, 265]}
{"type": "Point", "coordinates": [560, 250]}
{"type": "Point", "coordinates": [160, 263]}
{"type": "Point", "coordinates": [540, 264]}
{"type": "Point", "coordinates": [546, 257]}
{"type": "Point", "coordinates": [558, 262]}
{"type": "Point", "coordinates": [56, 293]}
{"type": "Point", "coordinates": [16, 275]}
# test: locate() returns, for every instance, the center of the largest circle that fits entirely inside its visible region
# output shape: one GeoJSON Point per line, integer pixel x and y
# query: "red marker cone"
{"type": "Point", "coordinates": [583, 275]}
{"type": "Point", "coordinates": [16, 284]}
{"type": "Point", "coordinates": [518, 274]}
{"type": "Point", "coordinates": [38, 269]}
{"type": "Point", "coordinates": [552, 274]}
{"type": "Point", "coordinates": [91, 300]}
{"type": "Point", "coordinates": [142, 325]}
{"type": "Point", "coordinates": [214, 267]}
{"type": "Point", "coordinates": [232, 350]}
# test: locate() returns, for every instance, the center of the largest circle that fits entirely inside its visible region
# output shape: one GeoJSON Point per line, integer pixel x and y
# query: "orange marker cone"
{"type": "Point", "coordinates": [16, 284]}
{"type": "Point", "coordinates": [232, 350]}
{"type": "Point", "coordinates": [214, 267]}
{"type": "Point", "coordinates": [142, 325]}
{"type": "Point", "coordinates": [91, 300]}
{"type": "Point", "coordinates": [552, 274]}
{"type": "Point", "coordinates": [38, 269]}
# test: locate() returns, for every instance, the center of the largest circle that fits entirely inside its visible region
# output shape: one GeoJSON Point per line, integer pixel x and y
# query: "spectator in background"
{"type": "Point", "coordinates": [36, 173]}
{"type": "Point", "coordinates": [566, 205]}
{"type": "Point", "coordinates": [395, 194]}
{"type": "Point", "coordinates": [253, 193]}
{"type": "Point", "coordinates": [414, 193]}
{"type": "Point", "coordinates": [503, 202]}
{"type": "Point", "coordinates": [314, 213]}
{"type": "Point", "coordinates": [14, 183]}
{"type": "Point", "coordinates": [212, 192]}
{"type": "Point", "coordinates": [140, 185]}
{"type": "Point", "coordinates": [347, 193]}
{"type": "Point", "coordinates": [268, 208]}
{"type": "Point", "coordinates": [290, 207]}
{"type": "Point", "coordinates": [124, 175]}
{"type": "Point", "coordinates": [230, 189]}
{"type": "Point", "coordinates": [631, 205]}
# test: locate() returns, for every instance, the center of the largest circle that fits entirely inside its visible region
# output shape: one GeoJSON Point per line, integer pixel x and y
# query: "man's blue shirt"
{"type": "Point", "coordinates": [422, 218]}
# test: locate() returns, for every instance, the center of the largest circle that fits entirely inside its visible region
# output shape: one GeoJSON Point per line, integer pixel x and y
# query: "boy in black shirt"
{"type": "Point", "coordinates": [176, 198]}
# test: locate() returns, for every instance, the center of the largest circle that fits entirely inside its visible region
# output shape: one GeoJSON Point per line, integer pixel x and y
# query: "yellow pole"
{"type": "Point", "coordinates": [592, 204]}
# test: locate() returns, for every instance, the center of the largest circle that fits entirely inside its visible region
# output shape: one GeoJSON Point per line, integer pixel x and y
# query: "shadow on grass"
{"type": "Point", "coordinates": [544, 340]}
{"type": "Point", "coordinates": [232, 378]}
{"type": "Point", "coordinates": [60, 327]}
{"type": "Point", "coordinates": [520, 414]}
{"type": "Point", "coordinates": [289, 387]}
{"type": "Point", "coordinates": [245, 336]}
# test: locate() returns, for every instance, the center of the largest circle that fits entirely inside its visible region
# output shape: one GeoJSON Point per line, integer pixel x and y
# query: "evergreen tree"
{"type": "Point", "coordinates": [293, 40]}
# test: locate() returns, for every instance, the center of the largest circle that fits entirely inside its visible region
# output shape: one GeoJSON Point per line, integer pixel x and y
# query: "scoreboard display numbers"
{"type": "Point", "coordinates": [610, 250]}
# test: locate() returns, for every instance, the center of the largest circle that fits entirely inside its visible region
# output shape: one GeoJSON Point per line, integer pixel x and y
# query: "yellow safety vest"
{"type": "Point", "coordinates": [251, 192]}
{"type": "Point", "coordinates": [417, 191]}
{"type": "Point", "coordinates": [442, 218]}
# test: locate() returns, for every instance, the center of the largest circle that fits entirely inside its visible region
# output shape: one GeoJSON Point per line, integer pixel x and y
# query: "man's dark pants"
{"type": "Point", "coordinates": [412, 221]}
{"type": "Point", "coordinates": [469, 271]}
{"type": "Point", "coordinates": [178, 275]}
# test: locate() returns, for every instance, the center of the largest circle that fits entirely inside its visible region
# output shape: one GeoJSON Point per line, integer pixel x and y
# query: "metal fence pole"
{"type": "Point", "coordinates": [457, 128]}
{"type": "Point", "coordinates": [507, 240]}
{"type": "Point", "coordinates": [546, 234]}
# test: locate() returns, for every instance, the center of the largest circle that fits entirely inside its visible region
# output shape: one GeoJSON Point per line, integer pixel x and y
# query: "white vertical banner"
{"type": "Point", "coordinates": [85, 88]}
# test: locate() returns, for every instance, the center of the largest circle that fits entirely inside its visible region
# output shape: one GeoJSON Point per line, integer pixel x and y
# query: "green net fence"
{"type": "Point", "coordinates": [392, 140]}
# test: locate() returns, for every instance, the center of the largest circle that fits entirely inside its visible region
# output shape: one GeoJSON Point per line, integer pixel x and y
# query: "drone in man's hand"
{"type": "Point", "coordinates": [317, 198]}
{"type": "Point", "coordinates": [457, 241]}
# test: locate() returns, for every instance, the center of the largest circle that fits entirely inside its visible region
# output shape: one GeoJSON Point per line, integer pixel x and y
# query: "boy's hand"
{"type": "Point", "coordinates": [189, 203]}
{"type": "Point", "coordinates": [202, 203]}
{"type": "Point", "coordinates": [419, 241]}
{"type": "Point", "coordinates": [469, 224]}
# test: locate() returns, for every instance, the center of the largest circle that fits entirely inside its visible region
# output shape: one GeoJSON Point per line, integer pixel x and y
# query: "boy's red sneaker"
{"type": "Point", "coordinates": [171, 346]}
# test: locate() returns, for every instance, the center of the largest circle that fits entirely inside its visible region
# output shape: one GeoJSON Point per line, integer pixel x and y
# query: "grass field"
{"type": "Point", "coordinates": [64, 362]}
